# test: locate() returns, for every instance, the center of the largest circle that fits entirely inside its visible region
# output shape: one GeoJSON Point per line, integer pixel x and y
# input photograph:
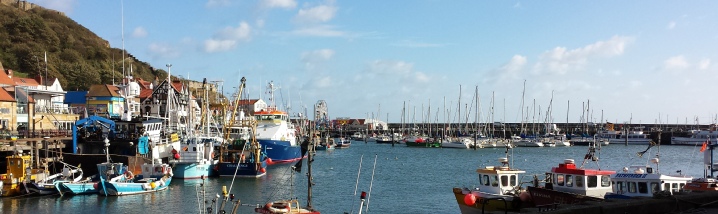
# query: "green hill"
{"type": "Point", "coordinates": [76, 55]}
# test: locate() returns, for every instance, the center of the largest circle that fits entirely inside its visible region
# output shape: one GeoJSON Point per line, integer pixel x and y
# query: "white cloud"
{"type": "Point", "coordinates": [312, 58]}
{"type": "Point", "coordinates": [65, 6]}
{"type": "Point", "coordinates": [671, 25]}
{"type": "Point", "coordinates": [560, 60]}
{"type": "Point", "coordinates": [286, 4]}
{"type": "Point", "coordinates": [390, 67]}
{"type": "Point", "coordinates": [318, 14]}
{"type": "Point", "coordinates": [704, 64]}
{"type": "Point", "coordinates": [139, 32]}
{"type": "Point", "coordinates": [162, 51]}
{"type": "Point", "coordinates": [228, 38]}
{"type": "Point", "coordinates": [217, 3]}
{"type": "Point", "coordinates": [510, 70]}
{"type": "Point", "coordinates": [676, 63]}
{"type": "Point", "coordinates": [317, 55]}
{"type": "Point", "coordinates": [320, 31]}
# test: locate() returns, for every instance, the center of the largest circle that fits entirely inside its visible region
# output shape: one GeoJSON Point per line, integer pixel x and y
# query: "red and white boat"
{"type": "Point", "coordinates": [568, 184]}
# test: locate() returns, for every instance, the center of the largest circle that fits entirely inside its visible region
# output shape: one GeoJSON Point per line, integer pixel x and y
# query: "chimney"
{"type": "Point", "coordinates": [39, 79]}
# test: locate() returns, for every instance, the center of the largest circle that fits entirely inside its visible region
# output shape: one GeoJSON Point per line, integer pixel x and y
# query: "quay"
{"type": "Point", "coordinates": [26, 144]}
{"type": "Point", "coordinates": [694, 202]}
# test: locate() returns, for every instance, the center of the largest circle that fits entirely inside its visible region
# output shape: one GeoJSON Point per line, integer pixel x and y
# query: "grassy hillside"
{"type": "Point", "coordinates": [76, 55]}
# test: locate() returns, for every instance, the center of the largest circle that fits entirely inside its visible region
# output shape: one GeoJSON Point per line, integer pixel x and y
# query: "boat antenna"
{"type": "Point", "coordinates": [361, 159]}
{"type": "Point", "coordinates": [371, 184]}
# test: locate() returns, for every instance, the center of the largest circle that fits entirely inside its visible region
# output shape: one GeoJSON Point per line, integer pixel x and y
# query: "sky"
{"type": "Point", "coordinates": [625, 61]}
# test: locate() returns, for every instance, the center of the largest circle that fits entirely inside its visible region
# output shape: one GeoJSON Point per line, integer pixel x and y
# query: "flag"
{"type": "Point", "coordinates": [703, 148]}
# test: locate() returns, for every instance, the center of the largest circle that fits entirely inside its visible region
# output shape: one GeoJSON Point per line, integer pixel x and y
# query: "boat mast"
{"type": "Point", "coordinates": [310, 183]}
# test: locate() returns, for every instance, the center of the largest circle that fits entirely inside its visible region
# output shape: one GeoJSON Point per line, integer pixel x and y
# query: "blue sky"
{"type": "Point", "coordinates": [634, 60]}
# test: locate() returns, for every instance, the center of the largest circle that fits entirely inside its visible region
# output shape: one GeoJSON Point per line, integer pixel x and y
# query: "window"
{"type": "Point", "coordinates": [605, 181]}
{"type": "Point", "coordinates": [655, 187]}
{"type": "Point", "coordinates": [495, 181]}
{"type": "Point", "coordinates": [194, 148]}
{"type": "Point", "coordinates": [504, 180]}
{"type": "Point", "coordinates": [667, 186]}
{"type": "Point", "coordinates": [486, 180]}
{"type": "Point", "coordinates": [514, 182]}
{"type": "Point", "coordinates": [560, 179]}
{"type": "Point", "coordinates": [569, 180]}
{"type": "Point", "coordinates": [642, 187]}
{"type": "Point", "coordinates": [681, 185]}
{"type": "Point", "coordinates": [480, 181]}
{"type": "Point", "coordinates": [674, 187]}
{"type": "Point", "coordinates": [592, 181]}
{"type": "Point", "coordinates": [631, 187]}
{"type": "Point", "coordinates": [579, 181]}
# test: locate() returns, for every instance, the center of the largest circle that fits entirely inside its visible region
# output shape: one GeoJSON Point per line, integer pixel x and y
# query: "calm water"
{"type": "Point", "coordinates": [406, 180]}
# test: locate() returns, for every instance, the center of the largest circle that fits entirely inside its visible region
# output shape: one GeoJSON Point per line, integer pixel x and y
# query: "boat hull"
{"type": "Point", "coordinates": [76, 188]}
{"type": "Point", "coordinates": [120, 189]}
{"type": "Point", "coordinates": [543, 196]}
{"type": "Point", "coordinates": [423, 144]}
{"type": "Point", "coordinates": [245, 169]}
{"type": "Point", "coordinates": [42, 189]}
{"type": "Point", "coordinates": [482, 205]}
{"type": "Point", "coordinates": [192, 170]}
{"type": "Point", "coordinates": [280, 151]}
{"type": "Point", "coordinates": [9, 190]}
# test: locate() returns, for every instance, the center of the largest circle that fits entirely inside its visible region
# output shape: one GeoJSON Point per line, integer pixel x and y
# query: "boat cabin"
{"type": "Point", "coordinates": [643, 181]}
{"type": "Point", "coordinates": [590, 182]}
{"type": "Point", "coordinates": [499, 180]}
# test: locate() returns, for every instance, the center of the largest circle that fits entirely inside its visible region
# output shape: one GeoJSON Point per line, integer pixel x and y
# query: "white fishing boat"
{"type": "Point", "coordinates": [618, 137]}
{"type": "Point", "coordinates": [498, 189]}
{"type": "Point", "coordinates": [46, 185]}
{"type": "Point", "coordinates": [697, 137]}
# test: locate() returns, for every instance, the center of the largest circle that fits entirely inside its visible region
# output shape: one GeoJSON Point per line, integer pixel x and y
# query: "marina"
{"type": "Point", "coordinates": [395, 177]}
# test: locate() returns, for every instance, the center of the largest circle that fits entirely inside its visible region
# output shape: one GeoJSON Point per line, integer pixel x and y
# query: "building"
{"type": "Point", "coordinates": [105, 101]}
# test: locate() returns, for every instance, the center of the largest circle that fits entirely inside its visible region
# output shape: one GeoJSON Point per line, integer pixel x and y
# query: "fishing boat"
{"type": "Point", "coordinates": [646, 181]}
{"type": "Point", "coordinates": [498, 189]}
{"type": "Point", "coordinates": [324, 143]}
{"type": "Point", "coordinates": [47, 185]}
{"type": "Point", "coordinates": [85, 186]}
{"type": "Point", "coordinates": [195, 159]}
{"type": "Point", "coordinates": [117, 180]}
{"type": "Point", "coordinates": [244, 157]}
{"type": "Point", "coordinates": [618, 137]}
{"type": "Point", "coordinates": [291, 203]}
{"type": "Point", "coordinates": [246, 161]}
{"type": "Point", "coordinates": [696, 137]}
{"type": "Point", "coordinates": [384, 139]}
{"type": "Point", "coordinates": [342, 143]}
{"type": "Point", "coordinates": [20, 170]}
{"type": "Point", "coordinates": [276, 134]}
{"type": "Point", "coordinates": [708, 182]}
{"type": "Point", "coordinates": [568, 184]}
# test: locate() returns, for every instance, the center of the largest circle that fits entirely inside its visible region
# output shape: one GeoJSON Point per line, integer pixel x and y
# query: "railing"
{"type": "Point", "coordinates": [37, 133]}
{"type": "Point", "coordinates": [58, 110]}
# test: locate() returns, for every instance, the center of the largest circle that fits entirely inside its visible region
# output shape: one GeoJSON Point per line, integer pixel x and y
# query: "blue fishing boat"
{"type": "Point", "coordinates": [155, 177]}
{"type": "Point", "coordinates": [276, 134]}
{"type": "Point", "coordinates": [117, 180]}
{"type": "Point", "coordinates": [195, 159]}
{"type": "Point", "coordinates": [87, 186]}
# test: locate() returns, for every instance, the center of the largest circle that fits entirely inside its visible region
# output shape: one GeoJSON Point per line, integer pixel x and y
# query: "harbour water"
{"type": "Point", "coordinates": [406, 180]}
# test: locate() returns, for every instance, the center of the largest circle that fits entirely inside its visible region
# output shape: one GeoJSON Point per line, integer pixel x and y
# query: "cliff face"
{"type": "Point", "coordinates": [75, 55]}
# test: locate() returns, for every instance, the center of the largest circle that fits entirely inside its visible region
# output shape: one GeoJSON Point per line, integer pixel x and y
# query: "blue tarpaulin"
{"type": "Point", "coordinates": [142, 145]}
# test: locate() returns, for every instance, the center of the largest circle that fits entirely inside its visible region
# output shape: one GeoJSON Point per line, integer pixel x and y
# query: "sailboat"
{"type": "Point", "coordinates": [291, 204]}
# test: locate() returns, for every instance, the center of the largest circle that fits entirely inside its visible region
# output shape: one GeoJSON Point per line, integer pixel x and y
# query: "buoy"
{"type": "Point", "coordinates": [96, 186]}
{"type": "Point", "coordinates": [262, 170]}
{"type": "Point", "coordinates": [153, 185]}
{"type": "Point", "coordinates": [269, 161]}
{"type": "Point", "coordinates": [470, 199]}
{"type": "Point", "coordinates": [177, 156]}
